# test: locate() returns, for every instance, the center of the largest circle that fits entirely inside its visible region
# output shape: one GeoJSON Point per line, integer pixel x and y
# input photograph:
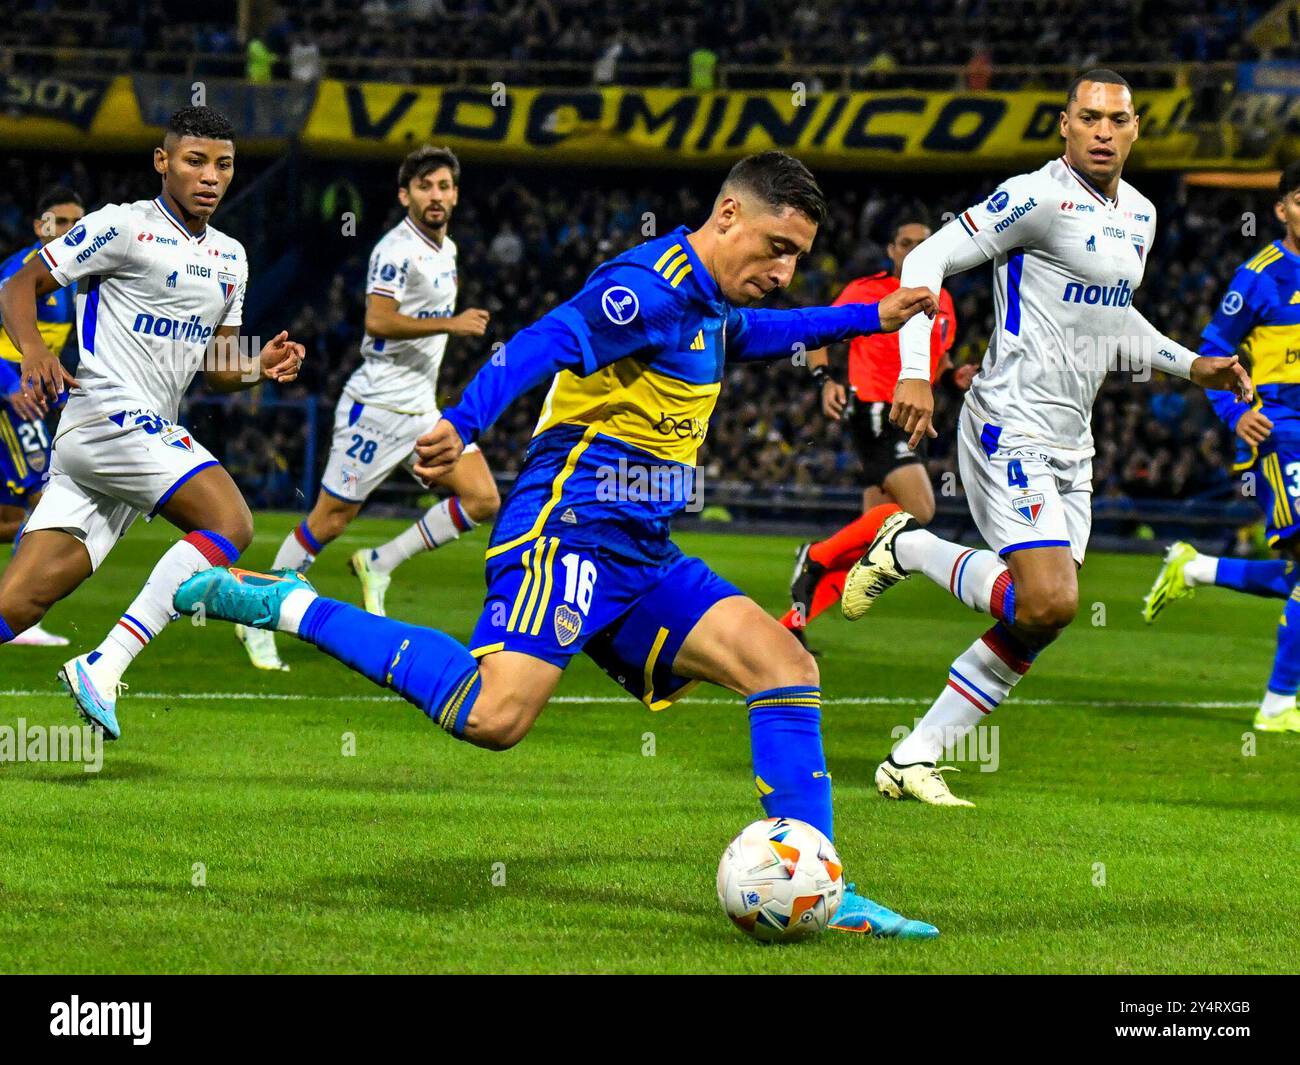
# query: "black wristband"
{"type": "Point", "coordinates": [822, 374]}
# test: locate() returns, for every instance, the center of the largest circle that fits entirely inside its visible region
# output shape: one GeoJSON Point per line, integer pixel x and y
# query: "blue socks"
{"type": "Point", "coordinates": [1274, 579]}
{"type": "Point", "coordinates": [6, 633]}
{"type": "Point", "coordinates": [789, 766]}
{"type": "Point", "coordinates": [1285, 678]}
{"type": "Point", "coordinates": [424, 666]}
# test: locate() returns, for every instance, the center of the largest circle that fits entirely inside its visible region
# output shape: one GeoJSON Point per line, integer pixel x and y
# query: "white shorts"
{"type": "Point", "coordinates": [370, 443]}
{"type": "Point", "coordinates": [1021, 492]}
{"type": "Point", "coordinates": [104, 475]}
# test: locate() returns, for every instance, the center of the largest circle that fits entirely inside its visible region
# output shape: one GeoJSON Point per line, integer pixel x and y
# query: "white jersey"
{"type": "Point", "coordinates": [1067, 261]}
{"type": "Point", "coordinates": [150, 296]}
{"type": "Point", "coordinates": [402, 375]}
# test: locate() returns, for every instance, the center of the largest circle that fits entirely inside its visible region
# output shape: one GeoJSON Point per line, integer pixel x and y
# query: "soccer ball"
{"type": "Point", "coordinates": [780, 880]}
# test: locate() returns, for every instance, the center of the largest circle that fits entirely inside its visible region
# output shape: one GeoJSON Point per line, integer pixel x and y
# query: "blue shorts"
{"type": "Point", "coordinates": [551, 600]}
{"type": "Point", "coordinates": [1277, 490]}
{"type": "Point", "coordinates": [24, 458]}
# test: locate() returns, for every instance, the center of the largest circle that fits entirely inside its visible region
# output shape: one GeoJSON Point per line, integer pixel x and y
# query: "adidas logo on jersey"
{"type": "Point", "coordinates": [1295, 296]}
{"type": "Point", "coordinates": [569, 518]}
{"type": "Point", "coordinates": [1120, 295]}
{"type": "Point", "coordinates": [698, 343]}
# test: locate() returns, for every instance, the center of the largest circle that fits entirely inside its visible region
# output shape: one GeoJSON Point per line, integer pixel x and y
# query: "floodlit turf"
{"type": "Point", "coordinates": [1124, 829]}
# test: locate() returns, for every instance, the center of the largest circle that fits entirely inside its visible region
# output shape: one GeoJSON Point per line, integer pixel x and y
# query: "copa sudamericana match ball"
{"type": "Point", "coordinates": [780, 880]}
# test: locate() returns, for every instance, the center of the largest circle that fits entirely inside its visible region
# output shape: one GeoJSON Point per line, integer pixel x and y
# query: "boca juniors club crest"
{"type": "Point", "coordinates": [227, 282]}
{"type": "Point", "coordinates": [1029, 507]}
{"type": "Point", "coordinates": [568, 623]}
{"type": "Point", "coordinates": [178, 437]}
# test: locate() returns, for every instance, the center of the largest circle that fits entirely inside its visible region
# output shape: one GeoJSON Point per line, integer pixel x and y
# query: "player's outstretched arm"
{"type": "Point", "coordinates": [228, 368]}
{"type": "Point", "coordinates": [42, 377]}
{"type": "Point", "coordinates": [779, 334]}
{"type": "Point", "coordinates": [1143, 346]}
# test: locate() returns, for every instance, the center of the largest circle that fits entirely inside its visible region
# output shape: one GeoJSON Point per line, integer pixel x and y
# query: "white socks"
{"type": "Point", "coordinates": [152, 609]}
{"type": "Point", "coordinates": [442, 524]}
{"type": "Point", "coordinates": [981, 677]}
{"type": "Point", "coordinates": [293, 608]}
{"type": "Point", "coordinates": [1200, 570]}
{"type": "Point", "coordinates": [298, 551]}
{"type": "Point", "coordinates": [969, 575]}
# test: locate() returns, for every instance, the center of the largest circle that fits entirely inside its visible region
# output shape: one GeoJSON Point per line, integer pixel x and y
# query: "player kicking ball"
{"type": "Point", "coordinates": [160, 296]}
{"type": "Point", "coordinates": [635, 362]}
{"type": "Point", "coordinates": [1069, 245]}
{"type": "Point", "coordinates": [391, 399]}
{"type": "Point", "coordinates": [24, 437]}
{"type": "Point", "coordinates": [1257, 316]}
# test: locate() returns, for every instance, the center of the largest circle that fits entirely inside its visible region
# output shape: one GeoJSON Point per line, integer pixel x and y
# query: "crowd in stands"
{"type": "Point", "coordinates": [528, 239]}
{"type": "Point", "coordinates": [606, 41]}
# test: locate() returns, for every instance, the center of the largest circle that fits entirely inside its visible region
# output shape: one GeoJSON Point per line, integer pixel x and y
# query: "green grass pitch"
{"type": "Point", "coordinates": [1127, 827]}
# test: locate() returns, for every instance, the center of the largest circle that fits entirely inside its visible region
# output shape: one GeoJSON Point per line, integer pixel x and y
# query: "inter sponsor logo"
{"type": "Point", "coordinates": [190, 330]}
{"type": "Point", "coordinates": [1017, 213]}
{"type": "Point", "coordinates": [100, 240]}
{"type": "Point", "coordinates": [197, 270]}
{"type": "Point", "coordinates": [1120, 295]}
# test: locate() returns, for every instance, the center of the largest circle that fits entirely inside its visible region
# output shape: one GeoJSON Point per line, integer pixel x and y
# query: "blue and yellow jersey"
{"type": "Point", "coordinates": [635, 361]}
{"type": "Point", "coordinates": [1259, 317]}
{"type": "Point", "coordinates": [55, 314]}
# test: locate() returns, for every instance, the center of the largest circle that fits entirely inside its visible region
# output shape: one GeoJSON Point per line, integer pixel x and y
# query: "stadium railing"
{"type": "Point", "coordinates": [831, 77]}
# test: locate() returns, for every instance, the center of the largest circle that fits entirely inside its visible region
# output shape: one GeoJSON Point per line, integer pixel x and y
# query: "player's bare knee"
{"type": "Point", "coordinates": [1048, 610]}
{"type": "Point", "coordinates": [482, 506]}
{"type": "Point", "coordinates": [923, 512]}
{"type": "Point", "coordinates": [789, 666]}
{"type": "Point", "coordinates": [495, 725]}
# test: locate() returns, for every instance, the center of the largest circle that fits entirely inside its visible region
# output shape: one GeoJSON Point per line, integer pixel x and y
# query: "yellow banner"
{"type": "Point", "coordinates": [874, 130]}
{"type": "Point", "coordinates": [93, 112]}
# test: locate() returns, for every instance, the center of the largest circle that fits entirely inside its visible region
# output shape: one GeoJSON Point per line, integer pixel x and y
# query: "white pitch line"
{"type": "Point", "coordinates": [601, 700]}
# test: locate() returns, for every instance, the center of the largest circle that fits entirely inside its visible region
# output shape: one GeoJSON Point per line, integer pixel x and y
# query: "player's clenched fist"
{"type": "Point", "coordinates": [44, 378]}
{"type": "Point", "coordinates": [282, 358]}
{"type": "Point", "coordinates": [902, 303]}
{"type": "Point", "coordinates": [437, 451]}
{"type": "Point", "coordinates": [1225, 374]}
{"type": "Point", "coordinates": [469, 323]}
{"type": "Point", "coordinates": [1254, 428]}
{"type": "Point", "coordinates": [913, 410]}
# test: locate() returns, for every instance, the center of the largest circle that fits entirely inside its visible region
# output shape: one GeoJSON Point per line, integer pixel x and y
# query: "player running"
{"type": "Point", "coordinates": [24, 438]}
{"type": "Point", "coordinates": [893, 472]}
{"type": "Point", "coordinates": [1069, 244]}
{"type": "Point", "coordinates": [635, 362]}
{"type": "Point", "coordinates": [391, 399]}
{"type": "Point", "coordinates": [160, 296]}
{"type": "Point", "coordinates": [1260, 316]}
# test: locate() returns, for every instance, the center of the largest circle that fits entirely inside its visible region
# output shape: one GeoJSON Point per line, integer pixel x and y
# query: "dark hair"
{"type": "Point", "coordinates": [780, 180]}
{"type": "Point", "coordinates": [201, 122]}
{"type": "Point", "coordinates": [56, 195]}
{"type": "Point", "coordinates": [426, 160]}
{"type": "Point", "coordinates": [1290, 180]}
{"type": "Point", "coordinates": [914, 215]}
{"type": "Point", "coordinates": [1100, 74]}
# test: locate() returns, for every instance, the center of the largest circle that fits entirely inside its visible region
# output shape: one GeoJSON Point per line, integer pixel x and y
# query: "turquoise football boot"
{"type": "Point", "coordinates": [859, 914]}
{"type": "Point", "coordinates": [239, 595]}
{"type": "Point", "coordinates": [96, 703]}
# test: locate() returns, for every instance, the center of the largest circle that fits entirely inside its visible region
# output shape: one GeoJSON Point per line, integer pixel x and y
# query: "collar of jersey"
{"type": "Point", "coordinates": [416, 230]}
{"type": "Point", "coordinates": [167, 214]}
{"type": "Point", "coordinates": [703, 279]}
{"type": "Point", "coordinates": [1102, 197]}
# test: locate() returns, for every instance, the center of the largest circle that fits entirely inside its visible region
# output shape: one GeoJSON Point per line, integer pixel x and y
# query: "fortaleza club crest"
{"type": "Point", "coordinates": [227, 282]}
{"type": "Point", "coordinates": [1029, 507]}
{"type": "Point", "coordinates": [568, 623]}
{"type": "Point", "coordinates": [178, 437]}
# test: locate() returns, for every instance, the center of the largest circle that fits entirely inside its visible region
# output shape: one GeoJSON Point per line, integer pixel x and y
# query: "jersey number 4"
{"type": "Point", "coordinates": [1016, 475]}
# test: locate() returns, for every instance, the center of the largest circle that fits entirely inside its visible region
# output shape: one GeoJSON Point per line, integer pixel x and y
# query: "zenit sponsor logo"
{"type": "Point", "coordinates": [1017, 213]}
{"type": "Point", "coordinates": [1120, 295]}
{"type": "Point", "coordinates": [1070, 205]}
{"type": "Point", "coordinates": [188, 330]}
{"type": "Point", "coordinates": [100, 240]}
{"type": "Point", "coordinates": [154, 238]}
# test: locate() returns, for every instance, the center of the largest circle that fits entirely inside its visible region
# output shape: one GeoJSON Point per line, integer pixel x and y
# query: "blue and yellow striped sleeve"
{"type": "Point", "coordinates": [773, 334]}
{"type": "Point", "coordinates": [1239, 311]}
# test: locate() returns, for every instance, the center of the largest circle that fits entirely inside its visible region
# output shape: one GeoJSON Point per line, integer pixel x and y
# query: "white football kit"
{"type": "Point", "coordinates": [150, 296]}
{"type": "Point", "coordinates": [391, 399]}
{"type": "Point", "coordinates": [1067, 261]}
